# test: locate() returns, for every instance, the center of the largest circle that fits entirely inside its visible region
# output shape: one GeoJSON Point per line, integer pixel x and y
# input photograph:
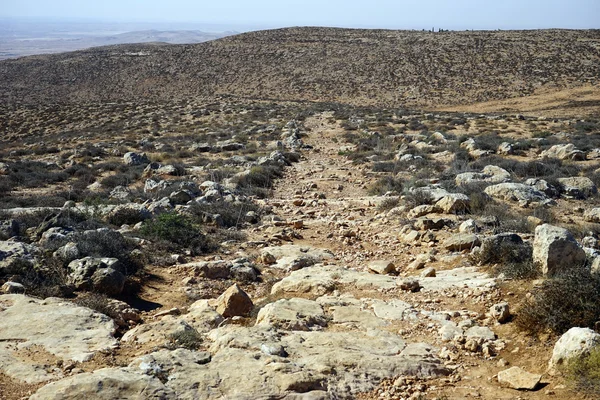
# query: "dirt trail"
{"type": "Point", "coordinates": [329, 195]}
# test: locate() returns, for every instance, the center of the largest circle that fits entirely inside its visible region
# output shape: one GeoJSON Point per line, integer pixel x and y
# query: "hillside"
{"type": "Point", "coordinates": [374, 67]}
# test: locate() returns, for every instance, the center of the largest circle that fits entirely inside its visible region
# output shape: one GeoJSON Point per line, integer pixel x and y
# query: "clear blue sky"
{"type": "Point", "coordinates": [393, 14]}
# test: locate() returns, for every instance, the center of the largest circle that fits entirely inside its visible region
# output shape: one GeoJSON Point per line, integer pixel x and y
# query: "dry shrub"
{"type": "Point", "coordinates": [570, 299]}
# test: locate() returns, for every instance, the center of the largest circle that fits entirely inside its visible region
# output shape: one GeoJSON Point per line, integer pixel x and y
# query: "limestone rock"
{"type": "Point", "coordinates": [461, 241]}
{"type": "Point", "coordinates": [543, 186]}
{"type": "Point", "coordinates": [555, 250]}
{"type": "Point", "coordinates": [313, 362]}
{"type": "Point", "coordinates": [454, 203]}
{"type": "Point", "coordinates": [105, 384]}
{"type": "Point", "coordinates": [234, 302]}
{"type": "Point", "coordinates": [578, 187]}
{"type": "Point", "coordinates": [592, 215]}
{"type": "Point", "coordinates": [480, 332]}
{"type": "Point", "coordinates": [13, 288]}
{"type": "Point", "coordinates": [381, 267]}
{"type": "Point", "coordinates": [293, 257]}
{"type": "Point", "coordinates": [292, 314]}
{"type": "Point", "coordinates": [515, 192]}
{"type": "Point", "coordinates": [133, 159]}
{"type": "Point", "coordinates": [491, 174]}
{"type": "Point", "coordinates": [69, 332]}
{"type": "Point", "coordinates": [564, 152]}
{"type": "Point", "coordinates": [99, 274]}
{"type": "Point", "coordinates": [505, 148]}
{"type": "Point", "coordinates": [201, 317]}
{"type": "Point", "coordinates": [517, 378]}
{"type": "Point", "coordinates": [15, 257]}
{"type": "Point", "coordinates": [574, 343]}
{"type": "Point", "coordinates": [425, 224]}
{"type": "Point", "coordinates": [500, 312]}
{"type": "Point", "coordinates": [468, 226]}
{"type": "Point", "coordinates": [421, 211]}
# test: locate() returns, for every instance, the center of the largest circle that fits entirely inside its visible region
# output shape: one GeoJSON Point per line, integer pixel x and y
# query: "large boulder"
{"type": "Point", "coordinates": [564, 152]}
{"type": "Point", "coordinates": [555, 250]}
{"type": "Point", "coordinates": [515, 192]}
{"type": "Point", "coordinates": [577, 187]}
{"type": "Point", "coordinates": [575, 342]}
{"type": "Point", "coordinates": [102, 275]}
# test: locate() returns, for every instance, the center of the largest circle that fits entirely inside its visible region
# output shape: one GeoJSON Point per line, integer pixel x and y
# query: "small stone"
{"type": "Point", "coordinates": [410, 284]}
{"type": "Point", "coordinates": [428, 273]}
{"type": "Point", "coordinates": [234, 302]}
{"type": "Point", "coordinates": [519, 379]}
{"type": "Point", "coordinates": [500, 312]}
{"type": "Point", "coordinates": [299, 224]}
{"type": "Point", "coordinates": [381, 267]}
{"type": "Point", "coordinates": [171, 311]}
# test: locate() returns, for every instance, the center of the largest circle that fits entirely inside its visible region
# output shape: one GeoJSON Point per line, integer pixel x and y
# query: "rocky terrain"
{"type": "Point", "coordinates": [374, 67]}
{"type": "Point", "coordinates": [195, 246]}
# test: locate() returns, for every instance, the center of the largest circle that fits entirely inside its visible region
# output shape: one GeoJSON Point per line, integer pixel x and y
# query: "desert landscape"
{"type": "Point", "coordinates": [303, 213]}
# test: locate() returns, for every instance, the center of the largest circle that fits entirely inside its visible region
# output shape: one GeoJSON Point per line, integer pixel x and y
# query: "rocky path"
{"type": "Point", "coordinates": [359, 307]}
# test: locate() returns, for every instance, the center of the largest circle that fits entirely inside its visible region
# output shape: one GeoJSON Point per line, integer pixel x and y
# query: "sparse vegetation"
{"type": "Point", "coordinates": [187, 338]}
{"type": "Point", "coordinates": [583, 373]}
{"type": "Point", "coordinates": [560, 303]}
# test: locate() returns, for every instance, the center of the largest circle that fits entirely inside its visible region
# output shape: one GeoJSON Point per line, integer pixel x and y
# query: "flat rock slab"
{"type": "Point", "coordinates": [61, 328]}
{"type": "Point", "coordinates": [201, 316]}
{"type": "Point", "coordinates": [292, 314]}
{"type": "Point", "coordinates": [106, 384]}
{"type": "Point", "coordinates": [64, 330]}
{"type": "Point", "coordinates": [464, 277]}
{"type": "Point", "coordinates": [342, 363]}
{"type": "Point", "coordinates": [322, 279]}
{"type": "Point", "coordinates": [519, 379]}
{"type": "Point", "coordinates": [324, 364]}
{"type": "Point", "coordinates": [292, 257]}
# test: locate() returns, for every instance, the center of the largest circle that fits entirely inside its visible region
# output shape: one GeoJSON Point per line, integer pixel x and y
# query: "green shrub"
{"type": "Point", "coordinates": [173, 232]}
{"type": "Point", "coordinates": [583, 373]}
{"type": "Point", "coordinates": [107, 243]}
{"type": "Point", "coordinates": [560, 303]}
{"type": "Point", "coordinates": [171, 227]}
{"type": "Point", "coordinates": [188, 339]}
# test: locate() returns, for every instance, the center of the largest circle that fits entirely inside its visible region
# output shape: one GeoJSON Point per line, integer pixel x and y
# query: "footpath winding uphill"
{"type": "Point", "coordinates": [352, 305]}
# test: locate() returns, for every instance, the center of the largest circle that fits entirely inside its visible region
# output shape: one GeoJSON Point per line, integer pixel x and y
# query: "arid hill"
{"type": "Point", "coordinates": [375, 67]}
